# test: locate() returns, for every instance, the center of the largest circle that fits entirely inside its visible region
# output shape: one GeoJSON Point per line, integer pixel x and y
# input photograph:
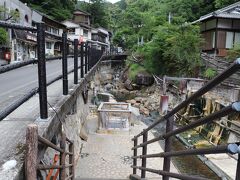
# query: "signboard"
{"type": "Point", "coordinates": [31, 37]}
{"type": "Point", "coordinates": [80, 40]}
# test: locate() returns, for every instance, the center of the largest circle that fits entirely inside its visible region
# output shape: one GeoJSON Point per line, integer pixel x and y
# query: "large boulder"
{"type": "Point", "coordinates": [144, 111]}
{"type": "Point", "coordinates": [132, 101]}
{"type": "Point", "coordinates": [144, 78]}
{"type": "Point", "coordinates": [106, 77]}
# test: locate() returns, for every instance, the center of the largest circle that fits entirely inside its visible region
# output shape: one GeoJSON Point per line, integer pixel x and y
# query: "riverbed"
{"type": "Point", "coordinates": [190, 165]}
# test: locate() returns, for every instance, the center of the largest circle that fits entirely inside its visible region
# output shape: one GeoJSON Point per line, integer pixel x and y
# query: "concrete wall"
{"type": "Point", "coordinates": [222, 94]}
{"type": "Point", "coordinates": [73, 127]}
{"type": "Point", "coordinates": [233, 136]}
{"type": "Point", "coordinates": [21, 7]}
{"type": "Point", "coordinates": [70, 110]}
{"type": "Point", "coordinates": [74, 113]}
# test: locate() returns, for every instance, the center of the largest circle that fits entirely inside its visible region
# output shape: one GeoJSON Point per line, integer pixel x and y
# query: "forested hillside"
{"type": "Point", "coordinates": [159, 31]}
{"type": "Point", "coordinates": [57, 9]}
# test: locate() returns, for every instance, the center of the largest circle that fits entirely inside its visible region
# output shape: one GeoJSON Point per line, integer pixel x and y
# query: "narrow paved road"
{"type": "Point", "coordinates": [15, 83]}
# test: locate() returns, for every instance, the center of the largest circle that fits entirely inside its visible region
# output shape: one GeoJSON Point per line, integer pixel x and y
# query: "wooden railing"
{"type": "Point", "coordinates": [31, 160]}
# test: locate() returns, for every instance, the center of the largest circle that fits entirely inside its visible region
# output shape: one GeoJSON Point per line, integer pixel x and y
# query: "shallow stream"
{"type": "Point", "coordinates": [190, 165]}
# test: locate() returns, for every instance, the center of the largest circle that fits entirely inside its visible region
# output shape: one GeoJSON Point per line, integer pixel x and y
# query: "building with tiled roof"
{"type": "Point", "coordinates": [221, 29]}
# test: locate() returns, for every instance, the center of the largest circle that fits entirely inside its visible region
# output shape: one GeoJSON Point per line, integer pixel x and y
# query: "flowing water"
{"type": "Point", "coordinates": [190, 165]}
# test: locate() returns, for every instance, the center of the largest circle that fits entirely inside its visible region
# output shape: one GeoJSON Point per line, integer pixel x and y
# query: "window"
{"type": "Point", "coordinates": [94, 37]}
{"type": "Point", "coordinates": [85, 33]}
{"type": "Point", "coordinates": [213, 39]}
{"type": "Point", "coordinates": [86, 19]}
{"type": "Point", "coordinates": [34, 24]}
{"type": "Point", "coordinates": [26, 18]}
{"type": "Point", "coordinates": [229, 40]}
{"type": "Point", "coordinates": [55, 31]}
{"type": "Point", "coordinates": [237, 38]}
{"type": "Point", "coordinates": [72, 31]}
{"type": "Point", "coordinates": [48, 29]}
{"type": "Point", "coordinates": [48, 45]}
{"type": "Point", "coordinates": [57, 46]}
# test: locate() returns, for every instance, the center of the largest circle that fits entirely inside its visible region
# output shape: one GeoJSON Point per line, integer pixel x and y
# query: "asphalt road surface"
{"type": "Point", "coordinates": [16, 83]}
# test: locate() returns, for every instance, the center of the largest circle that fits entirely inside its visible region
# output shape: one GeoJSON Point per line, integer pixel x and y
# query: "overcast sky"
{"type": "Point", "coordinates": [113, 1]}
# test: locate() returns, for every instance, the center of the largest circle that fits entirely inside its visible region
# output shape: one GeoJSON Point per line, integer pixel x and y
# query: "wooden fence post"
{"type": "Point", "coordinates": [31, 152]}
{"type": "Point", "coordinates": [168, 147]}
{"type": "Point", "coordinates": [144, 152]}
{"type": "Point", "coordinates": [135, 154]}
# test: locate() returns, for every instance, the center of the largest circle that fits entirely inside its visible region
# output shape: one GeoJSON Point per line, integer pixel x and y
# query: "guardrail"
{"type": "Point", "coordinates": [87, 61]}
{"type": "Point", "coordinates": [16, 65]}
{"type": "Point", "coordinates": [169, 118]}
{"type": "Point", "coordinates": [32, 162]}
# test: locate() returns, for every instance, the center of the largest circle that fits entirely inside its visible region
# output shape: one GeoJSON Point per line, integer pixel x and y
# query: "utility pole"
{"type": "Point", "coordinates": [169, 17]}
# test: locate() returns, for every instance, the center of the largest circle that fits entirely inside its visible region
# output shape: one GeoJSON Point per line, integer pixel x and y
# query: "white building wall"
{"type": "Point", "coordinates": [22, 8]}
{"type": "Point", "coordinates": [73, 36]}
{"type": "Point", "coordinates": [60, 32]}
{"type": "Point", "coordinates": [89, 34]}
{"type": "Point", "coordinates": [36, 17]}
{"type": "Point", "coordinates": [78, 31]}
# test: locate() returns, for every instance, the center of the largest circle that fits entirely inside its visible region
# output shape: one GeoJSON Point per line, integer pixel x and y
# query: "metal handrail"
{"type": "Point", "coordinates": [207, 87]}
{"type": "Point", "coordinates": [169, 118]}
{"type": "Point", "coordinates": [9, 109]}
{"type": "Point", "coordinates": [87, 63]}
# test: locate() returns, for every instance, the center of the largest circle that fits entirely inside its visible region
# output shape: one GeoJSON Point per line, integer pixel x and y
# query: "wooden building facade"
{"type": "Point", "coordinates": [221, 30]}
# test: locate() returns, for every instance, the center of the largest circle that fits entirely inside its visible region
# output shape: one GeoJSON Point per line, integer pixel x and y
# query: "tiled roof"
{"type": "Point", "coordinates": [78, 11]}
{"type": "Point", "coordinates": [232, 12]}
{"type": "Point", "coordinates": [229, 15]}
{"type": "Point", "coordinates": [22, 35]}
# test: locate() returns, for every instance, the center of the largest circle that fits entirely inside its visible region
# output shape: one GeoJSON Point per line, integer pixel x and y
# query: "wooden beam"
{"type": "Point", "coordinates": [31, 152]}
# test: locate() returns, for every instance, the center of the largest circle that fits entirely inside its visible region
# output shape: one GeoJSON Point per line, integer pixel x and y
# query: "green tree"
{"type": "Point", "coordinates": [173, 51]}
{"type": "Point", "coordinates": [233, 53]}
{"type": "Point", "coordinates": [223, 3]}
{"type": "Point", "coordinates": [3, 36]}
{"type": "Point", "coordinates": [98, 10]}
{"type": "Point", "coordinates": [57, 9]}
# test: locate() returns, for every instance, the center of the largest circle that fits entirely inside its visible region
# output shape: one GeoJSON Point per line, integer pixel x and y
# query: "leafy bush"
{"type": "Point", "coordinates": [234, 53]}
{"type": "Point", "coordinates": [210, 73]}
{"type": "Point", "coordinates": [173, 51]}
{"type": "Point", "coordinates": [3, 36]}
{"type": "Point", "coordinates": [134, 70]}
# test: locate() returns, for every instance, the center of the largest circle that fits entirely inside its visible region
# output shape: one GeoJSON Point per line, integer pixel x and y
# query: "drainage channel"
{"type": "Point", "coordinates": [190, 165]}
